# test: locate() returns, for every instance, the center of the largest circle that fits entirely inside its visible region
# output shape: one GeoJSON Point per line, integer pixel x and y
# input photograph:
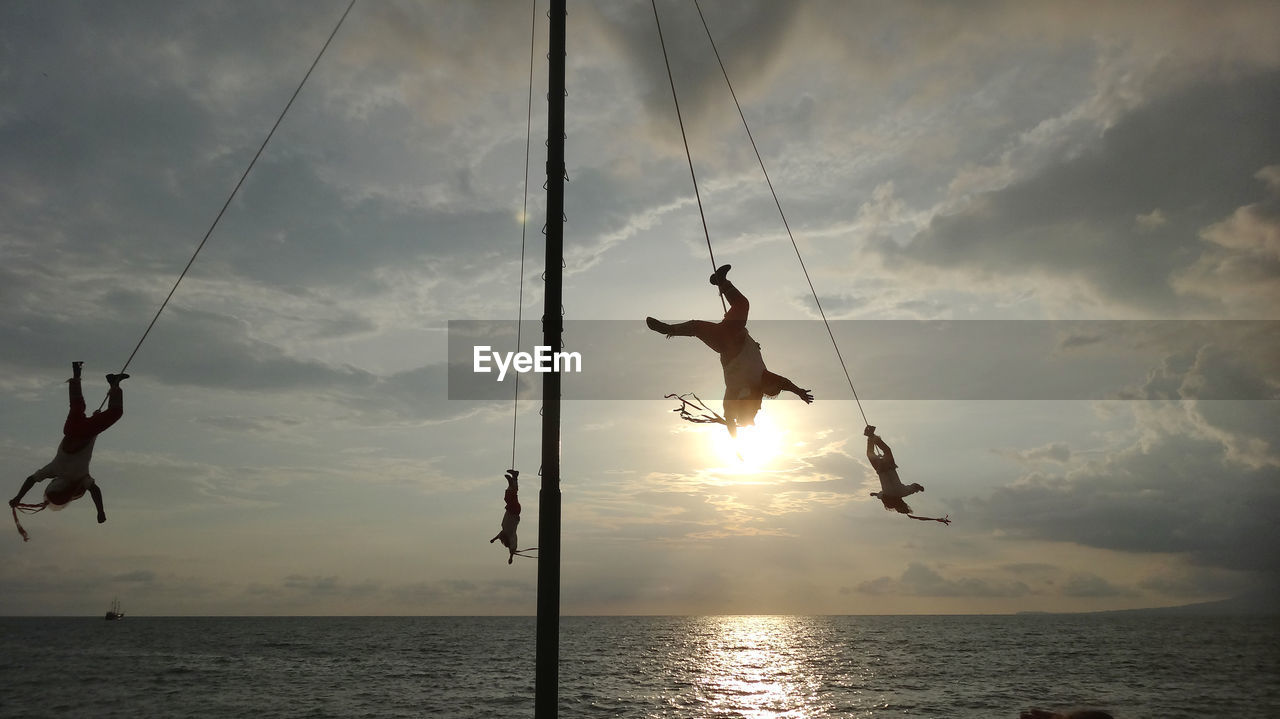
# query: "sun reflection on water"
{"type": "Point", "coordinates": [751, 666]}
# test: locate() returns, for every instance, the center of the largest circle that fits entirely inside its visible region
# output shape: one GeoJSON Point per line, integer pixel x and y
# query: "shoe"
{"type": "Point", "coordinates": [114, 379]}
{"type": "Point", "coordinates": [718, 276]}
{"type": "Point", "coordinates": [656, 326]}
{"type": "Point", "coordinates": [75, 369]}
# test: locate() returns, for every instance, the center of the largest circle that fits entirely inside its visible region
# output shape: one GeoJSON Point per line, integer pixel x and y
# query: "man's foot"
{"type": "Point", "coordinates": [656, 326]}
{"type": "Point", "coordinates": [75, 369]}
{"type": "Point", "coordinates": [718, 276]}
{"type": "Point", "coordinates": [876, 495]}
{"type": "Point", "coordinates": [114, 379]}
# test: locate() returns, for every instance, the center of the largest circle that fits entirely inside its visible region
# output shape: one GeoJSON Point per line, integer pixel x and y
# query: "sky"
{"type": "Point", "coordinates": [1093, 187]}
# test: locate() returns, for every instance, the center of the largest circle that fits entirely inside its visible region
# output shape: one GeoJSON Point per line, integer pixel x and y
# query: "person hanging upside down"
{"type": "Point", "coordinates": [510, 516]}
{"type": "Point", "coordinates": [746, 380]}
{"type": "Point", "coordinates": [892, 490]}
{"type": "Point", "coordinates": [69, 470]}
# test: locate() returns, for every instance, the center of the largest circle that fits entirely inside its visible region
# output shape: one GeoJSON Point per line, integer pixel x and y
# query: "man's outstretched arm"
{"type": "Point", "coordinates": [26, 487]}
{"type": "Point", "coordinates": [785, 384]}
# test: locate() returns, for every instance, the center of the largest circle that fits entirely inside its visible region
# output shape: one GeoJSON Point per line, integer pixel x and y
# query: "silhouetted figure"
{"type": "Point", "coordinates": [892, 490]}
{"type": "Point", "coordinates": [511, 517]}
{"type": "Point", "coordinates": [69, 470]}
{"type": "Point", "coordinates": [746, 380]}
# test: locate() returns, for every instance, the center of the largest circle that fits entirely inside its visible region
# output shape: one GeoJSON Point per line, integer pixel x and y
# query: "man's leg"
{"type": "Point", "coordinates": [738, 304]}
{"type": "Point", "coordinates": [712, 334]}
{"type": "Point", "coordinates": [888, 453]}
{"type": "Point", "coordinates": [75, 413]}
{"type": "Point", "coordinates": [100, 421]}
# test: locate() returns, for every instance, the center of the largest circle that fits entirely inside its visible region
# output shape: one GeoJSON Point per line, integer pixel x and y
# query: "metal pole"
{"type": "Point", "coordinates": [546, 686]}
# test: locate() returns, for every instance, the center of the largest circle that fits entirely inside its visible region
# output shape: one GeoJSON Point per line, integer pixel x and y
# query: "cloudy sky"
{"type": "Point", "coordinates": [1098, 184]}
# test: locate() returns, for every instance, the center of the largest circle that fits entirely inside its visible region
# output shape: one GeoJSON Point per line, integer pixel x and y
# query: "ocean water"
{"type": "Point", "coordinates": [641, 667]}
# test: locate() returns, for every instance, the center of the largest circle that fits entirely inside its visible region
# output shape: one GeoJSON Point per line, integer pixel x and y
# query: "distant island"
{"type": "Point", "coordinates": [1250, 604]}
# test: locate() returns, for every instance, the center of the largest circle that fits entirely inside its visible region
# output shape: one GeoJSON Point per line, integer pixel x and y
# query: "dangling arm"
{"type": "Point", "coordinates": [97, 502]}
{"type": "Point", "coordinates": [26, 487]}
{"type": "Point", "coordinates": [945, 520]}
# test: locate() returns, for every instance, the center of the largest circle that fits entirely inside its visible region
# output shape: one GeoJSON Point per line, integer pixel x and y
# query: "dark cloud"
{"type": "Point", "coordinates": [1193, 155]}
{"type": "Point", "coordinates": [1240, 264]}
{"type": "Point", "coordinates": [748, 35]}
{"type": "Point", "coordinates": [257, 425]}
{"type": "Point", "coordinates": [292, 227]}
{"type": "Point", "coordinates": [1029, 568]}
{"type": "Point", "coordinates": [1211, 372]}
{"type": "Point", "coordinates": [921, 581]}
{"type": "Point", "coordinates": [1093, 586]}
{"type": "Point", "coordinates": [323, 587]}
{"type": "Point", "coordinates": [53, 590]}
{"type": "Point", "coordinates": [1175, 494]}
{"type": "Point", "coordinates": [1197, 583]}
{"type": "Point", "coordinates": [1202, 480]}
{"type": "Point", "coordinates": [124, 130]}
{"type": "Point", "coordinates": [142, 575]}
{"type": "Point", "coordinates": [459, 594]}
{"type": "Point", "coordinates": [1080, 339]}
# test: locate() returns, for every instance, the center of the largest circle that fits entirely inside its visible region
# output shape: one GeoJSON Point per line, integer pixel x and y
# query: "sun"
{"type": "Point", "coordinates": [754, 449]}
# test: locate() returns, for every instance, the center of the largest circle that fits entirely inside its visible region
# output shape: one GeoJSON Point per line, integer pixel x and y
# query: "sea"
{"type": "Point", "coordinates": [1132, 665]}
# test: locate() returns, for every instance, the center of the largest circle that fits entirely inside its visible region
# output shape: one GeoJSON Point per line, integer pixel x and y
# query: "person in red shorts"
{"type": "Point", "coordinates": [511, 517]}
{"type": "Point", "coordinates": [69, 470]}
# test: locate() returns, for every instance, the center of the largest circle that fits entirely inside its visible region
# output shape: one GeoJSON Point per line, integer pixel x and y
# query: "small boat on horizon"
{"type": "Point", "coordinates": [115, 612]}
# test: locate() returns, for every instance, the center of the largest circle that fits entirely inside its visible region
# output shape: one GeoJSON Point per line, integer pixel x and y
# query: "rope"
{"type": "Point", "coordinates": [28, 509]}
{"type": "Point", "coordinates": [524, 226]}
{"type": "Point", "coordinates": [777, 202]}
{"type": "Point", "coordinates": [688, 155]}
{"type": "Point", "coordinates": [234, 190]}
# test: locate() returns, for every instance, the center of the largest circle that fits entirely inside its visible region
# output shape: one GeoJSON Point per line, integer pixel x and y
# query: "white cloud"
{"type": "Point", "coordinates": [1241, 266]}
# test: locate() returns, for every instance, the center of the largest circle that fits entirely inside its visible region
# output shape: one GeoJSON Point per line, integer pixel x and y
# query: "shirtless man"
{"type": "Point", "coordinates": [746, 380]}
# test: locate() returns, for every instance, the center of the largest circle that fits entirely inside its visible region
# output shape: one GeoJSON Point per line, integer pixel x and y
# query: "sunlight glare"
{"type": "Point", "coordinates": [753, 450]}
